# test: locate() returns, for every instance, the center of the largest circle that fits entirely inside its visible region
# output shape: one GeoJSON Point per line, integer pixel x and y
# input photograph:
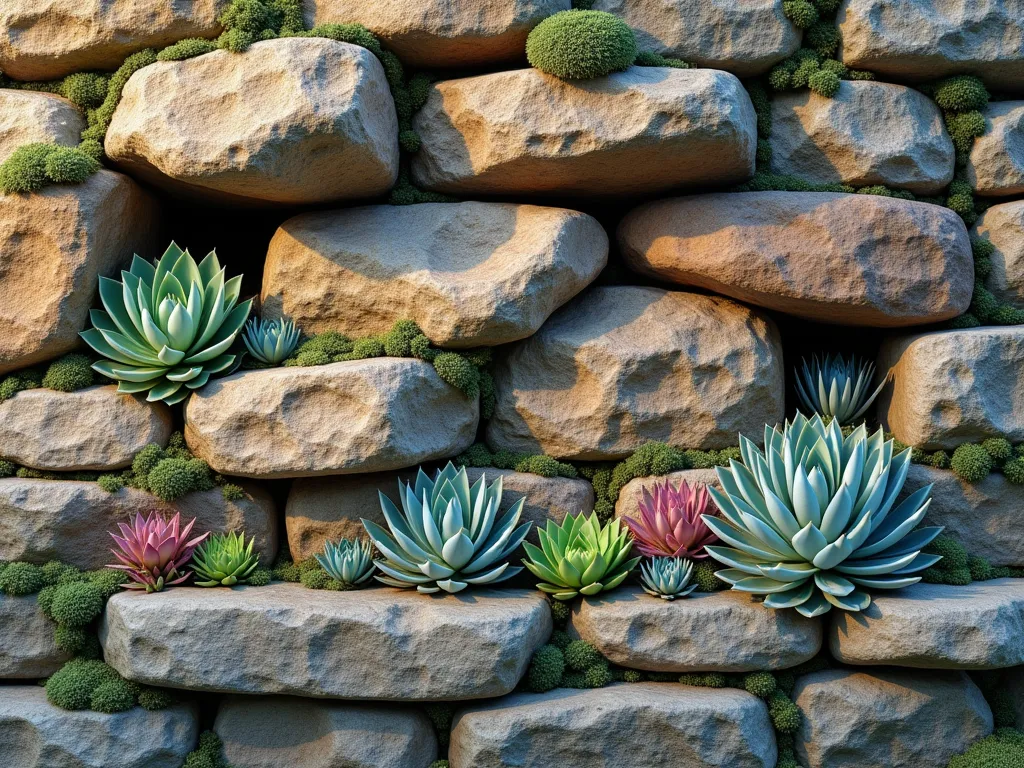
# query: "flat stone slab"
{"type": "Point", "coordinates": [381, 644]}
{"type": "Point", "coordinates": [933, 626]}
{"type": "Point", "coordinates": [640, 631]}
{"type": "Point", "coordinates": [36, 734]}
{"type": "Point", "coordinates": [642, 725]}
{"type": "Point", "coordinates": [27, 650]}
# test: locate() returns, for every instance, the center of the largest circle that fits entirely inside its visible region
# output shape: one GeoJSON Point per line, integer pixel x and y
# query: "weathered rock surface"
{"type": "Point", "coordinates": [932, 626]}
{"type": "Point", "coordinates": [43, 520]}
{"type": "Point", "coordinates": [36, 734]}
{"type": "Point", "coordinates": [639, 631]}
{"type": "Point", "coordinates": [953, 387]}
{"type": "Point", "coordinates": [283, 732]}
{"type": "Point", "coordinates": [330, 508]}
{"type": "Point", "coordinates": [633, 491]}
{"type": "Point", "coordinates": [996, 164]}
{"type": "Point", "coordinates": [645, 725]}
{"type": "Point", "coordinates": [469, 274]}
{"type": "Point", "coordinates": [93, 428]}
{"type": "Point", "coordinates": [437, 33]}
{"type": "Point", "coordinates": [867, 133]}
{"type": "Point", "coordinates": [55, 243]}
{"type": "Point", "coordinates": [644, 130]}
{"type": "Point", "coordinates": [381, 644]}
{"type": "Point", "coordinates": [887, 717]}
{"type": "Point", "coordinates": [621, 366]}
{"type": "Point", "coordinates": [343, 418]}
{"type": "Point", "coordinates": [915, 40]}
{"type": "Point", "coordinates": [859, 260]}
{"type": "Point", "coordinates": [744, 37]}
{"type": "Point", "coordinates": [44, 40]}
{"type": "Point", "coordinates": [290, 121]}
{"type": "Point", "coordinates": [27, 649]}
{"type": "Point", "coordinates": [27, 118]}
{"type": "Point", "coordinates": [1003, 226]}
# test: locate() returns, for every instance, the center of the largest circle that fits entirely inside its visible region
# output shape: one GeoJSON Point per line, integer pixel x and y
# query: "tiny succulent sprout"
{"type": "Point", "coordinates": [670, 522]}
{"type": "Point", "coordinates": [224, 560]}
{"type": "Point", "coordinates": [349, 562]}
{"type": "Point", "coordinates": [833, 387]}
{"type": "Point", "coordinates": [667, 577]}
{"type": "Point", "coordinates": [271, 341]}
{"type": "Point", "coordinates": [152, 550]}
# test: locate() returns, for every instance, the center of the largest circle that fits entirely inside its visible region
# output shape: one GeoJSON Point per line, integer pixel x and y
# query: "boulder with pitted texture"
{"type": "Point", "coordinates": [995, 167]}
{"type": "Point", "coordinates": [29, 118]}
{"type": "Point", "coordinates": [1003, 226]}
{"type": "Point", "coordinates": [27, 647]}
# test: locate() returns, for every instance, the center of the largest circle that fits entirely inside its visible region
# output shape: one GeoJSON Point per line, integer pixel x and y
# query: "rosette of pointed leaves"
{"type": "Point", "coordinates": [447, 535]}
{"type": "Point", "coordinates": [812, 522]}
{"type": "Point", "coordinates": [834, 387]}
{"type": "Point", "coordinates": [670, 523]}
{"type": "Point", "coordinates": [271, 341]}
{"type": "Point", "coordinates": [580, 556]}
{"type": "Point", "coordinates": [153, 549]}
{"type": "Point", "coordinates": [167, 326]}
{"type": "Point", "coordinates": [350, 561]}
{"type": "Point", "coordinates": [224, 561]}
{"type": "Point", "coordinates": [667, 577]}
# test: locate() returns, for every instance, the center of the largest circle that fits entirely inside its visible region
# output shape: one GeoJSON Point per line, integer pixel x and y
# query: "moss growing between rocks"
{"type": "Point", "coordinates": [99, 118]}
{"type": "Point", "coordinates": [34, 166]}
{"type": "Point", "coordinates": [19, 579]}
{"type": "Point", "coordinates": [69, 373]}
{"type": "Point", "coordinates": [479, 455]}
{"type": "Point", "coordinates": [1004, 749]}
{"type": "Point", "coordinates": [73, 685]}
{"type": "Point", "coordinates": [651, 59]}
{"type": "Point", "coordinates": [971, 463]}
{"type": "Point", "coordinates": [187, 49]}
{"type": "Point", "coordinates": [209, 753]}
{"type": "Point", "coordinates": [580, 45]}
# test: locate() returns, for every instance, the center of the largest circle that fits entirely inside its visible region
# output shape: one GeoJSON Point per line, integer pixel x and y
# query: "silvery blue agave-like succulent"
{"type": "Point", "coordinates": [834, 387]}
{"type": "Point", "coordinates": [667, 577]}
{"type": "Point", "coordinates": [350, 561]}
{"type": "Point", "coordinates": [812, 522]}
{"type": "Point", "coordinates": [167, 326]}
{"type": "Point", "coordinates": [271, 341]}
{"type": "Point", "coordinates": [447, 535]}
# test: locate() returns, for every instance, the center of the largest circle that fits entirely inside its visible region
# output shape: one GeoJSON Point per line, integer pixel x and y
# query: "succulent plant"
{"type": "Point", "coordinates": [447, 535]}
{"type": "Point", "coordinates": [670, 522]}
{"type": "Point", "coordinates": [271, 341]}
{"type": "Point", "coordinates": [580, 556]}
{"type": "Point", "coordinates": [667, 577]}
{"type": "Point", "coordinates": [811, 523]}
{"type": "Point", "coordinates": [224, 561]}
{"type": "Point", "coordinates": [349, 562]}
{"type": "Point", "coordinates": [153, 549]}
{"type": "Point", "coordinates": [837, 388]}
{"type": "Point", "coordinates": [168, 325]}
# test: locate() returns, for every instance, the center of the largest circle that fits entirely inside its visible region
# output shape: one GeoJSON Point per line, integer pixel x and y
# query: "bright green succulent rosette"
{"type": "Point", "coordinates": [224, 560]}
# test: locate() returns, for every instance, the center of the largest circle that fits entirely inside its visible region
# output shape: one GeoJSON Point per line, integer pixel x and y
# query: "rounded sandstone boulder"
{"type": "Point", "coordinates": [28, 118]}
{"type": "Point", "coordinates": [996, 164]}
{"type": "Point", "coordinates": [1003, 226]}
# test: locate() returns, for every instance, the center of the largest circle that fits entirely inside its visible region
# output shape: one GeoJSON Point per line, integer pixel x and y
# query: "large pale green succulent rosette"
{"type": "Point", "coordinates": [812, 522]}
{"type": "Point", "coordinates": [167, 326]}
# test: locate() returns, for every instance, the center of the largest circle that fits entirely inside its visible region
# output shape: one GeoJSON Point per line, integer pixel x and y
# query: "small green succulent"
{"type": "Point", "coordinates": [224, 560]}
{"type": "Point", "coordinates": [349, 562]}
{"type": "Point", "coordinates": [271, 341]}
{"type": "Point", "coordinates": [667, 577]}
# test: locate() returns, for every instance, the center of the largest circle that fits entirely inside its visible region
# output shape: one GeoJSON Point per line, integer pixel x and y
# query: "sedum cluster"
{"type": "Point", "coordinates": [580, 45]}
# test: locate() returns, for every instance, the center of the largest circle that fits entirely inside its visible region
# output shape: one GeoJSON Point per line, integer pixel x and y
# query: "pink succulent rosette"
{"type": "Point", "coordinates": [670, 522]}
{"type": "Point", "coordinates": [153, 550]}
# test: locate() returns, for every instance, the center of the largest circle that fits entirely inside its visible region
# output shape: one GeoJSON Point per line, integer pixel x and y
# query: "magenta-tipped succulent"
{"type": "Point", "coordinates": [153, 550]}
{"type": "Point", "coordinates": [670, 522]}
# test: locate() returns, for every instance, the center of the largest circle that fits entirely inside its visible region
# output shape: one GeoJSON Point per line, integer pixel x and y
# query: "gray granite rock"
{"type": "Point", "coordinates": [27, 650]}
{"type": "Point", "coordinates": [996, 164]}
{"type": "Point", "coordinates": [1003, 226]}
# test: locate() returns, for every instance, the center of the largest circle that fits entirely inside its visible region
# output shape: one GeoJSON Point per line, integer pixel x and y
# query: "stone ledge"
{"type": "Point", "coordinates": [27, 649]}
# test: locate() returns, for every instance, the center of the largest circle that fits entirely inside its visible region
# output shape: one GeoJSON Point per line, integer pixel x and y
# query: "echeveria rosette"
{"type": "Point", "coordinates": [670, 523]}
{"type": "Point", "coordinates": [447, 535]}
{"type": "Point", "coordinates": [167, 326]}
{"type": "Point", "coordinates": [833, 387]}
{"type": "Point", "coordinates": [667, 577]}
{"type": "Point", "coordinates": [349, 562]}
{"type": "Point", "coordinates": [271, 341]}
{"type": "Point", "coordinates": [811, 522]}
{"type": "Point", "coordinates": [153, 549]}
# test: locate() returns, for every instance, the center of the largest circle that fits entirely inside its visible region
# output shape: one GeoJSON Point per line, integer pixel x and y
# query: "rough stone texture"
{"type": "Point", "coordinates": [291, 121]}
{"type": "Point", "coordinates": [887, 717]}
{"type": "Point", "coordinates": [282, 732]}
{"type": "Point", "coordinates": [744, 37]}
{"type": "Point", "coordinates": [36, 734]}
{"type": "Point", "coordinates": [381, 644]}
{"type": "Point", "coordinates": [621, 366]}
{"type": "Point", "coordinates": [643, 725]}
{"type": "Point", "coordinates": [1003, 226]}
{"type": "Point", "coordinates": [953, 387]}
{"type": "Point", "coordinates": [439, 33]}
{"type": "Point", "coordinates": [996, 164]}
{"type": "Point", "coordinates": [868, 133]}
{"type": "Point", "coordinates": [639, 631]}
{"type": "Point", "coordinates": [47, 39]}
{"type": "Point", "coordinates": [859, 260]}
{"type": "Point", "coordinates": [932, 626]}
{"type": "Point", "coordinates": [27, 117]}
{"type": "Point", "coordinates": [633, 491]}
{"type": "Point", "coordinates": [920, 40]}
{"type": "Point", "coordinates": [93, 428]}
{"type": "Point", "coordinates": [55, 243]}
{"type": "Point", "coordinates": [319, 509]}
{"type": "Point", "coordinates": [641, 131]}
{"type": "Point", "coordinates": [469, 274]}
{"type": "Point", "coordinates": [27, 649]}
{"type": "Point", "coordinates": [343, 418]}
{"type": "Point", "coordinates": [43, 520]}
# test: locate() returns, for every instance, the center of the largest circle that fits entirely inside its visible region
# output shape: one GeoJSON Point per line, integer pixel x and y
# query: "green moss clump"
{"type": "Point", "coordinates": [70, 639]}
{"type": "Point", "coordinates": [114, 696]}
{"type": "Point", "coordinates": [960, 93]}
{"type": "Point", "coordinates": [69, 165]}
{"type": "Point", "coordinates": [939, 460]}
{"type": "Point", "coordinates": [85, 90]}
{"type": "Point", "coordinates": [285, 570]}
{"type": "Point", "coordinates": [546, 669]}
{"type": "Point", "coordinates": [971, 463]}
{"type": "Point", "coordinates": [99, 118]}
{"type": "Point", "coordinates": [187, 49]}
{"type": "Point", "coordinates": [76, 604]}
{"type": "Point", "coordinates": [964, 128]}
{"type": "Point", "coordinates": [649, 459]}
{"type": "Point", "coordinates": [1013, 471]}
{"type": "Point", "coordinates": [25, 169]}
{"type": "Point", "coordinates": [398, 341]}
{"type": "Point", "coordinates": [999, 448]}
{"type": "Point", "coordinates": [760, 684]}
{"type": "Point", "coordinates": [579, 45]}
{"type": "Point", "coordinates": [704, 576]}
{"type": "Point", "coordinates": [209, 753]}
{"type": "Point", "coordinates": [155, 699]}
{"type": "Point", "coordinates": [261, 577]}
{"type": "Point", "coordinates": [560, 613]}
{"type": "Point", "coordinates": [406, 193]}
{"type": "Point", "coordinates": [651, 59]}
{"type": "Point", "coordinates": [1004, 749]}
{"type": "Point", "coordinates": [785, 715]}
{"type": "Point", "coordinates": [8, 468]}
{"type": "Point", "coordinates": [824, 38]}
{"type": "Point", "coordinates": [802, 13]}
{"type": "Point", "coordinates": [56, 572]}
{"type": "Point", "coordinates": [954, 567]}
{"type": "Point", "coordinates": [72, 686]}
{"type": "Point", "coordinates": [354, 34]}
{"type": "Point", "coordinates": [69, 373]}
{"type": "Point", "coordinates": [456, 370]}
{"type": "Point", "coordinates": [597, 675]}
{"type": "Point", "coordinates": [824, 83]}
{"type": "Point", "coordinates": [173, 478]}
{"type": "Point", "coordinates": [19, 579]}
{"type": "Point", "coordinates": [232, 492]}
{"type": "Point", "coordinates": [579, 655]}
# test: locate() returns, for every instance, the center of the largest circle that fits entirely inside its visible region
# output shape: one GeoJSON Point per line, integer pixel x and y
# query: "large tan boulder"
{"type": "Point", "coordinates": [47, 39]}
{"type": "Point", "coordinates": [344, 418]}
{"type": "Point", "coordinates": [919, 40]}
{"type": "Point", "coordinates": [27, 118]}
{"type": "Point", "coordinates": [440, 33]}
{"type": "Point", "coordinates": [644, 130]}
{"type": "Point", "coordinates": [1003, 226]}
{"type": "Point", "coordinates": [745, 37]}
{"type": "Point", "coordinates": [834, 258]}
{"type": "Point", "coordinates": [290, 121]}
{"type": "Point", "coordinates": [55, 244]}
{"type": "Point", "coordinates": [995, 166]}
{"type": "Point", "coordinates": [469, 274]}
{"type": "Point", "coordinates": [621, 366]}
{"type": "Point", "coordinates": [953, 387]}
{"type": "Point", "coordinates": [28, 650]}
{"type": "Point", "coordinates": [867, 133]}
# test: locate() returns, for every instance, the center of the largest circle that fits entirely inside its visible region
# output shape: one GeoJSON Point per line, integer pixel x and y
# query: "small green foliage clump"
{"type": "Point", "coordinates": [168, 473]}
{"type": "Point", "coordinates": [785, 715]}
{"type": "Point", "coordinates": [971, 463]}
{"type": "Point", "coordinates": [546, 669]}
{"type": "Point", "coordinates": [112, 696]}
{"type": "Point", "coordinates": [999, 448]}
{"type": "Point", "coordinates": [802, 13]}
{"type": "Point", "coordinates": [186, 49]}
{"type": "Point", "coordinates": [441, 715]}
{"type": "Point", "coordinates": [69, 373]}
{"type": "Point", "coordinates": [704, 576]}
{"type": "Point", "coordinates": [70, 639]}
{"type": "Point", "coordinates": [173, 478]}
{"type": "Point", "coordinates": [209, 753]}
{"type": "Point", "coordinates": [960, 93]}
{"type": "Point", "coordinates": [760, 684]}
{"type": "Point", "coordinates": [8, 468]}
{"type": "Point", "coordinates": [155, 699]}
{"type": "Point", "coordinates": [76, 604]}
{"type": "Point", "coordinates": [824, 38]}
{"type": "Point", "coordinates": [651, 59]}
{"type": "Point", "coordinates": [703, 680]}
{"type": "Point", "coordinates": [479, 455]}
{"type": "Point", "coordinates": [824, 83]}
{"type": "Point", "coordinates": [285, 570]}
{"type": "Point", "coordinates": [86, 90]}
{"type": "Point", "coordinates": [954, 567]}
{"type": "Point", "coordinates": [580, 655]}
{"type": "Point", "coordinates": [32, 166]}
{"type": "Point", "coordinates": [99, 118]}
{"type": "Point", "coordinates": [456, 370]}
{"type": "Point", "coordinates": [232, 492]}
{"type": "Point", "coordinates": [1003, 749]}
{"type": "Point", "coordinates": [72, 686]}
{"type": "Point", "coordinates": [406, 193]}
{"type": "Point", "coordinates": [579, 45]}
{"type": "Point", "coordinates": [18, 579]}
{"type": "Point", "coordinates": [248, 21]}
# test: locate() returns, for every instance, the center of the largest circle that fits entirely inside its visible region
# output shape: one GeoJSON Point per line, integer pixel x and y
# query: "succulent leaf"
{"type": "Point", "coordinates": [152, 550]}
{"type": "Point", "coordinates": [834, 387]}
{"type": "Point", "coordinates": [667, 577]}
{"type": "Point", "coordinates": [224, 560]}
